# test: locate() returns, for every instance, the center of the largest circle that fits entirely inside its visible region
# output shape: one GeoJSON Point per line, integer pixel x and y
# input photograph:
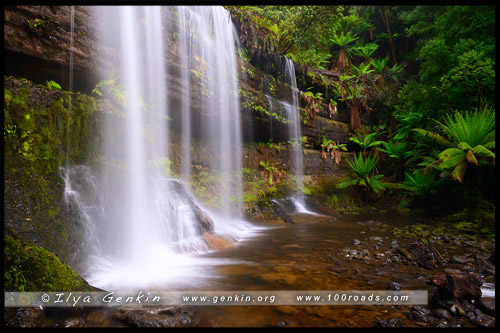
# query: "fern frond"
{"type": "Point", "coordinates": [459, 171]}
{"type": "Point", "coordinates": [433, 136]}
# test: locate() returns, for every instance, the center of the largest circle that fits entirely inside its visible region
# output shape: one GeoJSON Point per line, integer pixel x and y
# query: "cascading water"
{"type": "Point", "coordinates": [294, 133]}
{"type": "Point", "coordinates": [141, 223]}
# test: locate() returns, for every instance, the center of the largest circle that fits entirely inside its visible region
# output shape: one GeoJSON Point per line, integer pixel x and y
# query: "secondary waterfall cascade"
{"type": "Point", "coordinates": [295, 137]}
{"type": "Point", "coordinates": [142, 227]}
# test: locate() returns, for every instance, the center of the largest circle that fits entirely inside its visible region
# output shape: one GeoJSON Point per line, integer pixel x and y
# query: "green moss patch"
{"type": "Point", "coordinates": [28, 267]}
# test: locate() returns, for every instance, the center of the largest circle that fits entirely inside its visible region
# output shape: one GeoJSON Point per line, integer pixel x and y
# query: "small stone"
{"type": "Point", "coordinates": [484, 320]}
{"type": "Point", "coordinates": [455, 259]}
{"type": "Point", "coordinates": [443, 323]}
{"type": "Point", "coordinates": [421, 309]}
{"type": "Point", "coordinates": [417, 316]}
{"type": "Point", "coordinates": [394, 286]}
{"type": "Point", "coordinates": [468, 268]}
{"type": "Point", "coordinates": [470, 315]}
{"type": "Point", "coordinates": [357, 242]}
{"type": "Point", "coordinates": [452, 271]}
{"type": "Point", "coordinates": [388, 323]}
{"type": "Point", "coordinates": [441, 313]}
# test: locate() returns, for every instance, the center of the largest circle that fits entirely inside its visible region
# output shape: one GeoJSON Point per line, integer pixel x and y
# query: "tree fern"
{"type": "Point", "coordinates": [470, 141]}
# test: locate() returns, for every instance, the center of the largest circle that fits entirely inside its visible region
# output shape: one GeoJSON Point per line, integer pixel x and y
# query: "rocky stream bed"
{"type": "Point", "coordinates": [323, 252]}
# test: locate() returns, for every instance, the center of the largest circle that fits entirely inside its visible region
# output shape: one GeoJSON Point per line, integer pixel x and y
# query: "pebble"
{"type": "Point", "coordinates": [389, 323]}
{"type": "Point", "coordinates": [357, 242]}
{"type": "Point", "coordinates": [394, 286]}
{"type": "Point", "coordinates": [484, 320]}
{"type": "Point", "coordinates": [441, 313]}
{"type": "Point", "coordinates": [458, 259]}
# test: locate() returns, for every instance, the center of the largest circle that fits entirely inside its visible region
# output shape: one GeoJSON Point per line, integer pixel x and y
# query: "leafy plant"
{"type": "Point", "coordinates": [379, 64]}
{"type": "Point", "coordinates": [361, 175]}
{"type": "Point", "coordinates": [333, 148]}
{"type": "Point", "coordinates": [111, 85]}
{"type": "Point", "coordinates": [313, 102]}
{"type": "Point", "coordinates": [420, 183]}
{"type": "Point", "coordinates": [363, 69]}
{"type": "Point", "coordinates": [342, 41]}
{"type": "Point", "coordinates": [271, 169]}
{"type": "Point", "coordinates": [365, 51]}
{"type": "Point", "coordinates": [470, 141]}
{"type": "Point", "coordinates": [367, 142]}
{"type": "Point", "coordinates": [396, 151]}
{"type": "Point", "coordinates": [53, 85]}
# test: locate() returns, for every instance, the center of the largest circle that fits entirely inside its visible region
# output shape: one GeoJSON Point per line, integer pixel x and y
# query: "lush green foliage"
{"type": "Point", "coordinates": [361, 175]}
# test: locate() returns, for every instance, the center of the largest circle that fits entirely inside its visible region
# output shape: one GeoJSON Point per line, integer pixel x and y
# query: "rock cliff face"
{"type": "Point", "coordinates": [37, 47]}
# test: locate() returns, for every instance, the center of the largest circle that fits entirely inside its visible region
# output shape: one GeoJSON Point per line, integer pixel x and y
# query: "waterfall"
{"type": "Point", "coordinates": [294, 132]}
{"type": "Point", "coordinates": [142, 225]}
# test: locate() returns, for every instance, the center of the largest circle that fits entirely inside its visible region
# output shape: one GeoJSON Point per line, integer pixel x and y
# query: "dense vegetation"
{"type": "Point", "coordinates": [426, 76]}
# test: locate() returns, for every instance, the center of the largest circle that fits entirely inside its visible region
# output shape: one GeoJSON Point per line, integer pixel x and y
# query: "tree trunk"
{"type": "Point", "coordinates": [389, 33]}
{"type": "Point", "coordinates": [472, 194]}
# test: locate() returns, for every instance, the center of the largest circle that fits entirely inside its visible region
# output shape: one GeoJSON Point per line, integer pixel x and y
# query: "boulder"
{"type": "Point", "coordinates": [204, 222]}
{"type": "Point", "coordinates": [486, 305]}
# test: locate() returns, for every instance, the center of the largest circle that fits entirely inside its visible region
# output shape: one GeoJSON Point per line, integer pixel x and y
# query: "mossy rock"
{"type": "Point", "coordinates": [28, 267]}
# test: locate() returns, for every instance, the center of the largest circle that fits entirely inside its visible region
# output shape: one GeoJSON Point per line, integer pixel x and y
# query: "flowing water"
{"type": "Point", "coordinates": [141, 232]}
{"type": "Point", "coordinates": [141, 225]}
{"type": "Point", "coordinates": [306, 256]}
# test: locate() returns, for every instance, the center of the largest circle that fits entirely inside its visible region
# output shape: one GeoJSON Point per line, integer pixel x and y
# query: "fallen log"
{"type": "Point", "coordinates": [460, 286]}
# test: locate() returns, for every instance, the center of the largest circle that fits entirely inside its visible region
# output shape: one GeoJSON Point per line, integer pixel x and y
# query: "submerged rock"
{"type": "Point", "coordinates": [155, 316]}
{"type": "Point", "coordinates": [24, 317]}
{"type": "Point", "coordinates": [486, 305]}
{"type": "Point", "coordinates": [218, 242]}
{"type": "Point", "coordinates": [204, 222]}
{"type": "Point", "coordinates": [388, 323]}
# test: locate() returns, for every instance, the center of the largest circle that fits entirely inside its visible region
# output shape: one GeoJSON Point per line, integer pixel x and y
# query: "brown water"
{"type": "Point", "coordinates": [304, 257]}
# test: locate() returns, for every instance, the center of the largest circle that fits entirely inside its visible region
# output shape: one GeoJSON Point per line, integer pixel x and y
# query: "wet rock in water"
{"type": "Point", "coordinates": [441, 313]}
{"type": "Point", "coordinates": [424, 255]}
{"type": "Point", "coordinates": [486, 305]}
{"type": "Point", "coordinates": [155, 316]}
{"type": "Point", "coordinates": [218, 242]}
{"type": "Point", "coordinates": [388, 323]}
{"type": "Point", "coordinates": [456, 309]}
{"type": "Point", "coordinates": [452, 271]}
{"type": "Point", "coordinates": [74, 322]}
{"type": "Point", "coordinates": [443, 323]}
{"type": "Point", "coordinates": [492, 258]}
{"type": "Point", "coordinates": [455, 259]}
{"type": "Point", "coordinates": [394, 286]}
{"type": "Point", "coordinates": [420, 314]}
{"type": "Point", "coordinates": [470, 269]}
{"type": "Point", "coordinates": [24, 317]}
{"type": "Point", "coordinates": [357, 242]}
{"type": "Point", "coordinates": [204, 221]}
{"type": "Point", "coordinates": [470, 315]}
{"type": "Point", "coordinates": [96, 318]}
{"type": "Point", "coordinates": [460, 286]}
{"type": "Point", "coordinates": [484, 320]}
